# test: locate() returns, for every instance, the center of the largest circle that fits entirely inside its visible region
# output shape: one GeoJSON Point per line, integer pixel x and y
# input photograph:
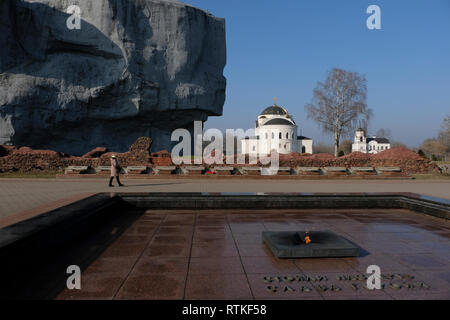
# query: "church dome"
{"type": "Point", "coordinates": [275, 110]}
{"type": "Point", "coordinates": [279, 121]}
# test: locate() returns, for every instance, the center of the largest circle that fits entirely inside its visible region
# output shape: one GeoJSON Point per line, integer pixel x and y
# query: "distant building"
{"type": "Point", "coordinates": [275, 123]}
{"type": "Point", "coordinates": [369, 145]}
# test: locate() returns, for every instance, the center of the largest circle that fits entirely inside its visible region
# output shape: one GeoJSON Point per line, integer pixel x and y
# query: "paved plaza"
{"type": "Point", "coordinates": [24, 198]}
{"type": "Point", "coordinates": [219, 254]}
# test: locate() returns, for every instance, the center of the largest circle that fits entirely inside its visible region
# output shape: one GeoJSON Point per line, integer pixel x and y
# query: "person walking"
{"type": "Point", "coordinates": [115, 171]}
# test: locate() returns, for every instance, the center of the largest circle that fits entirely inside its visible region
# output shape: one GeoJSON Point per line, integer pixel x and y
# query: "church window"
{"type": "Point", "coordinates": [361, 139]}
{"type": "Point", "coordinates": [279, 135]}
{"type": "Point", "coordinates": [267, 135]}
{"type": "Point", "coordinates": [273, 135]}
{"type": "Point", "coordinates": [287, 135]}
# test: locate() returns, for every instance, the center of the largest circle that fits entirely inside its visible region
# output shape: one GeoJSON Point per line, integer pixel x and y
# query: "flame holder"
{"type": "Point", "coordinates": [324, 244]}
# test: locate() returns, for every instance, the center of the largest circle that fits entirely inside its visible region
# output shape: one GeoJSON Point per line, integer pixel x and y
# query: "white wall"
{"type": "Point", "coordinates": [308, 144]}
{"type": "Point", "coordinates": [359, 146]}
{"type": "Point", "coordinates": [372, 147]}
{"type": "Point", "coordinates": [375, 147]}
{"type": "Point", "coordinates": [285, 144]}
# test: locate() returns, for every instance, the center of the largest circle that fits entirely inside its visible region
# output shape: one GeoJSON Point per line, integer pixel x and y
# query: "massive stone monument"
{"type": "Point", "coordinates": [135, 68]}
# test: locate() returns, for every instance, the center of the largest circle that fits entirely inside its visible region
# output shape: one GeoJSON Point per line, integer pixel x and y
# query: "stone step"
{"type": "Point", "coordinates": [335, 171]}
{"type": "Point", "coordinates": [251, 171]}
{"type": "Point", "coordinates": [164, 170]}
{"type": "Point", "coordinates": [193, 170]}
{"type": "Point", "coordinates": [137, 170]}
{"type": "Point", "coordinates": [315, 171]}
{"type": "Point", "coordinates": [363, 171]}
{"type": "Point", "coordinates": [223, 171]}
{"type": "Point", "coordinates": [389, 171]}
{"type": "Point", "coordinates": [78, 170]}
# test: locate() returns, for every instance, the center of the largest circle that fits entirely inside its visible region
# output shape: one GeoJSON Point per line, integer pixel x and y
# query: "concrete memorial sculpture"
{"type": "Point", "coordinates": [314, 244]}
{"type": "Point", "coordinates": [133, 68]}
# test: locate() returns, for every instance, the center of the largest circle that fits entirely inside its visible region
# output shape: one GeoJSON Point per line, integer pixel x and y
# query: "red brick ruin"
{"type": "Point", "coordinates": [25, 159]}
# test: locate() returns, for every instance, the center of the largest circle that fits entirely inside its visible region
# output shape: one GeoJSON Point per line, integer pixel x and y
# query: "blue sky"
{"type": "Point", "coordinates": [283, 48]}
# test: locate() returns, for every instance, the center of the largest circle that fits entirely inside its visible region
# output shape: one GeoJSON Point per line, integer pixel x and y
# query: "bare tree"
{"type": "Point", "coordinates": [434, 148]}
{"type": "Point", "coordinates": [322, 148]}
{"type": "Point", "coordinates": [444, 135]}
{"type": "Point", "coordinates": [346, 146]}
{"type": "Point", "coordinates": [384, 133]}
{"type": "Point", "coordinates": [396, 144]}
{"type": "Point", "coordinates": [339, 104]}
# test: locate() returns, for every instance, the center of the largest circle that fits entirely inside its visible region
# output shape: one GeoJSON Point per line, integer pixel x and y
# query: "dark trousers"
{"type": "Point", "coordinates": [111, 181]}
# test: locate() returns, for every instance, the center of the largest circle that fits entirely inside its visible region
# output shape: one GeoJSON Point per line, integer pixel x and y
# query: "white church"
{"type": "Point", "coordinates": [369, 145]}
{"type": "Point", "coordinates": [276, 130]}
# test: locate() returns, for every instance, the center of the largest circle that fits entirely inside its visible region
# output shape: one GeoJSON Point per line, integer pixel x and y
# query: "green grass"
{"type": "Point", "coordinates": [28, 175]}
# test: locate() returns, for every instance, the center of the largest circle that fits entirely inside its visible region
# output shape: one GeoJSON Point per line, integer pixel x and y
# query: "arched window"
{"type": "Point", "coordinates": [273, 135]}
{"type": "Point", "coordinates": [287, 135]}
{"type": "Point", "coordinates": [280, 135]}
{"type": "Point", "coordinates": [267, 135]}
{"type": "Point", "coordinates": [303, 149]}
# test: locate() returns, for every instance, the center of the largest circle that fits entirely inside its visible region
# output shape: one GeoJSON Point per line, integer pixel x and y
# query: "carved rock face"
{"type": "Point", "coordinates": [135, 68]}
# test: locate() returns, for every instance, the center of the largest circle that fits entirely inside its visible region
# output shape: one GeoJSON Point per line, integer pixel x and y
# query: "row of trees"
{"type": "Point", "coordinates": [434, 148]}
{"type": "Point", "coordinates": [438, 148]}
{"type": "Point", "coordinates": [339, 106]}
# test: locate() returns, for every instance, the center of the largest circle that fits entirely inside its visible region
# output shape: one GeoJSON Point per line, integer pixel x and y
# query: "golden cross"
{"type": "Point", "coordinates": [275, 101]}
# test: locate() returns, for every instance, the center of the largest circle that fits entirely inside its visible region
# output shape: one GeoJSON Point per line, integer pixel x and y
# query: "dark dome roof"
{"type": "Point", "coordinates": [379, 140]}
{"type": "Point", "coordinates": [278, 121]}
{"type": "Point", "coordinates": [276, 110]}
